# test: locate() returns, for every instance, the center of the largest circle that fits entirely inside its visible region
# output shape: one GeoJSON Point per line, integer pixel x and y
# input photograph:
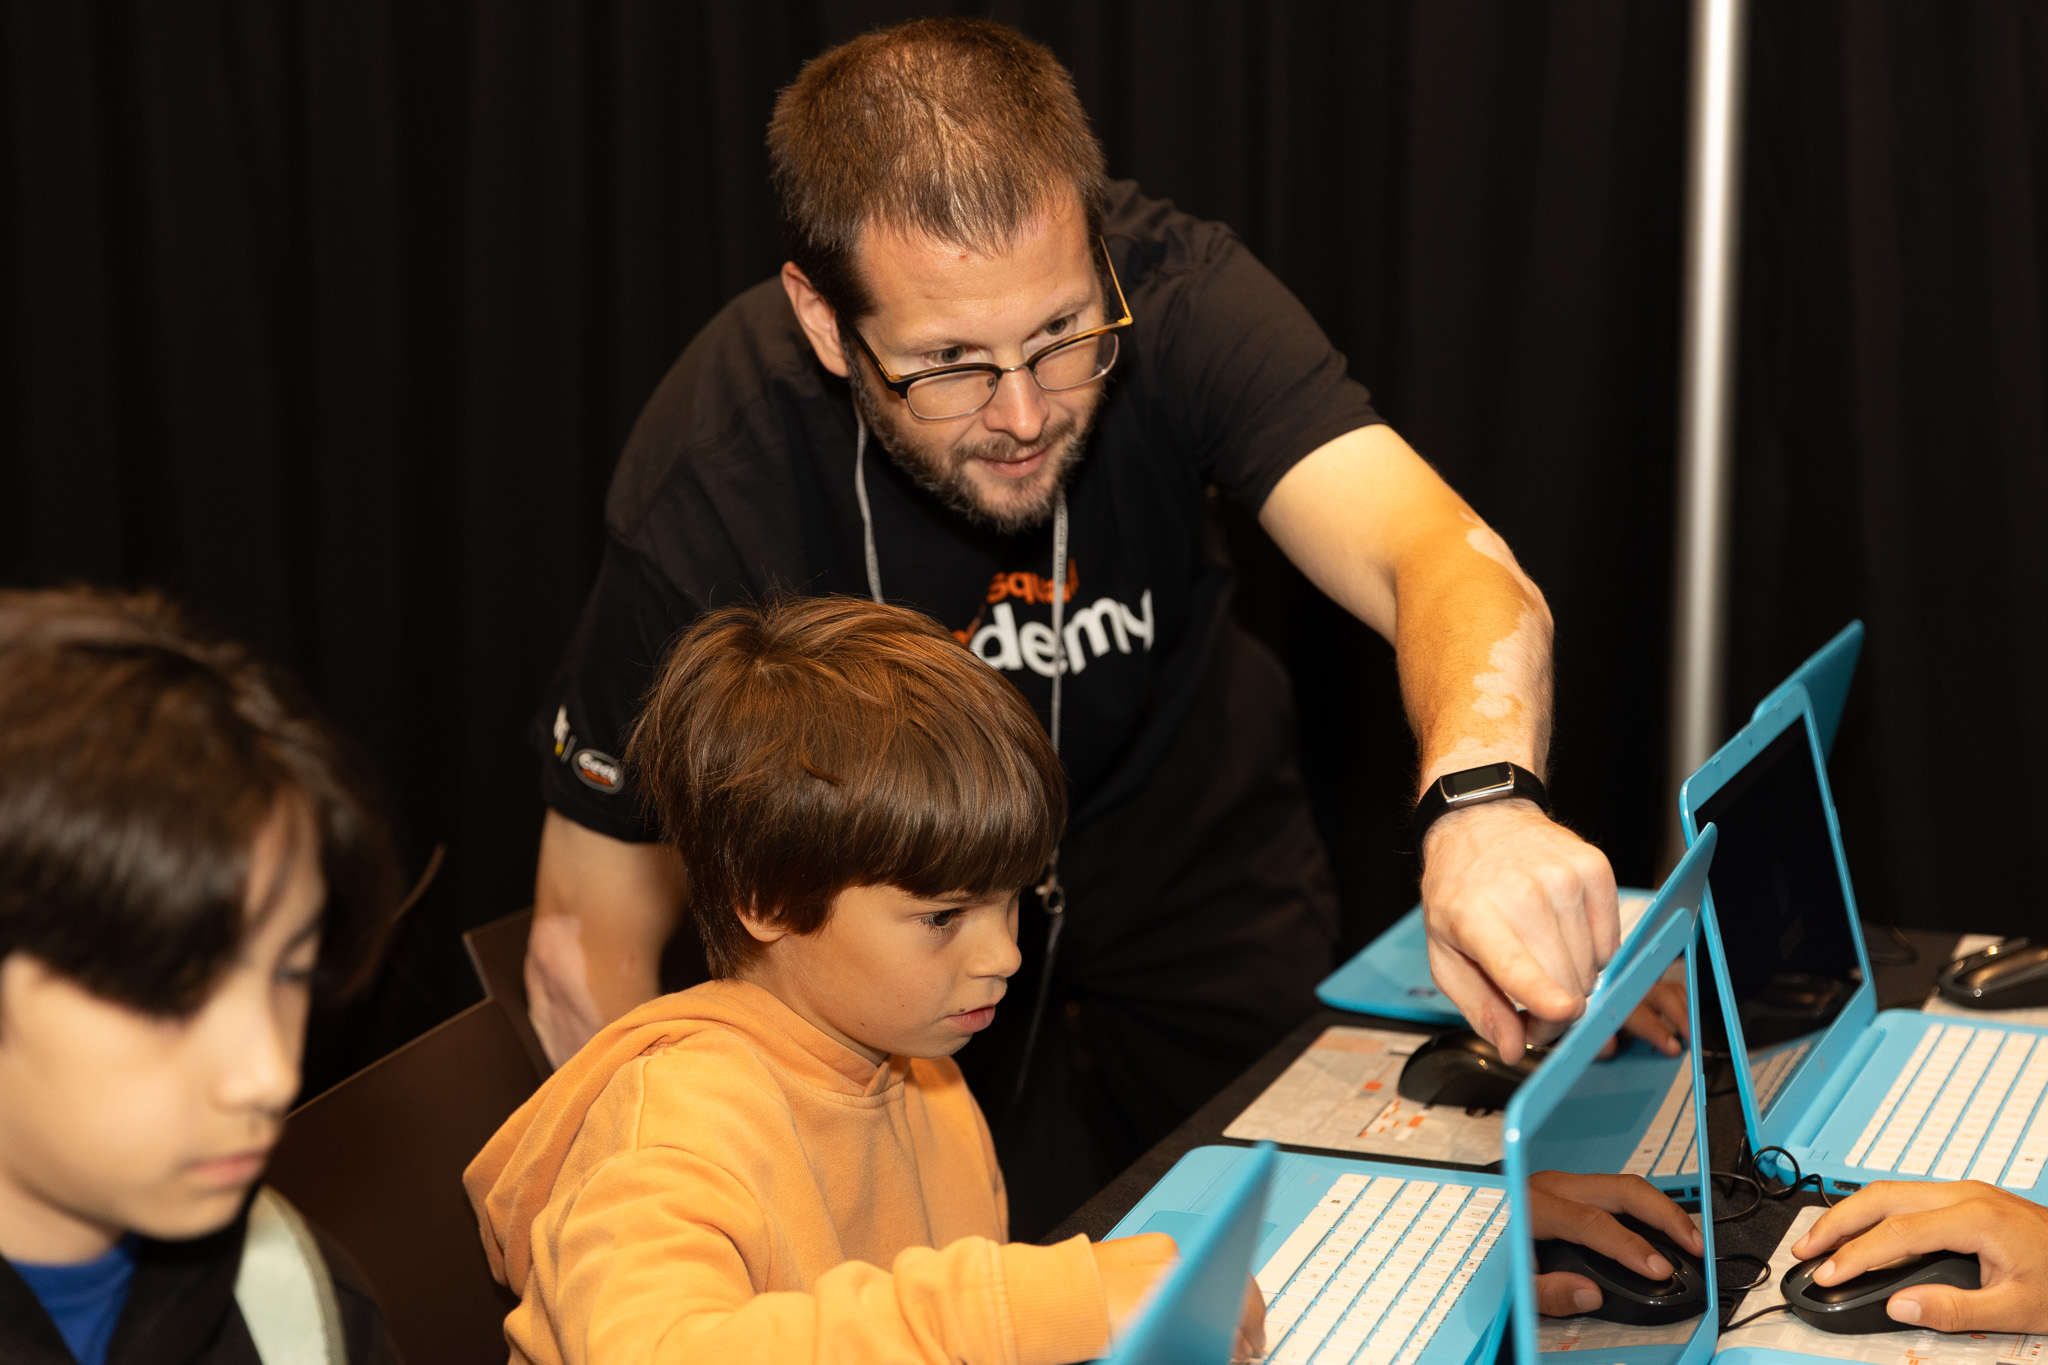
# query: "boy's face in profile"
{"type": "Point", "coordinates": [113, 1121]}
{"type": "Point", "coordinates": [890, 972]}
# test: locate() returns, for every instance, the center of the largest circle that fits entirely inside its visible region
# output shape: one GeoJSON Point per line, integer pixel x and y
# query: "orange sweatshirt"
{"type": "Point", "coordinates": [713, 1179]}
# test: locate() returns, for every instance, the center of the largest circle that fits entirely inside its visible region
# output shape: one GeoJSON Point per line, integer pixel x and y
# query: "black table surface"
{"type": "Point", "coordinates": [1900, 985]}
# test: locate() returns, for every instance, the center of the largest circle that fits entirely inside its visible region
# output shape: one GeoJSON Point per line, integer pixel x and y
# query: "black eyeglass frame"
{"type": "Point", "coordinates": [900, 384]}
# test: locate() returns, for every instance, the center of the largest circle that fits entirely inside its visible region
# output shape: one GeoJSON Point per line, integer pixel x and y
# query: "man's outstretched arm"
{"type": "Point", "coordinates": [1520, 909]}
{"type": "Point", "coordinates": [602, 911]}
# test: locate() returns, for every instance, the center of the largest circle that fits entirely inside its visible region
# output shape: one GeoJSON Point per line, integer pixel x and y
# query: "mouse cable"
{"type": "Point", "coordinates": [1798, 1180]}
{"type": "Point", "coordinates": [1761, 1275]}
{"type": "Point", "coordinates": [1755, 1203]}
{"type": "Point", "coordinates": [1761, 1312]}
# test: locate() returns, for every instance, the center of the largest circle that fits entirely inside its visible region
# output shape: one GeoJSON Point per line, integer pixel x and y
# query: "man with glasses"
{"type": "Point", "coordinates": [992, 385]}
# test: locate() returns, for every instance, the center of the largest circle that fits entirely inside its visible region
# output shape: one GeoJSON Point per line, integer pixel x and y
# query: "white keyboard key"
{"type": "Point", "coordinates": [1985, 1107]}
{"type": "Point", "coordinates": [1948, 1106]}
{"type": "Point", "coordinates": [1282, 1264]}
{"type": "Point", "coordinates": [2026, 1166]}
{"type": "Point", "coordinates": [1885, 1107]}
{"type": "Point", "coordinates": [1919, 1098]}
{"type": "Point", "coordinates": [2012, 1119]}
{"type": "Point", "coordinates": [1654, 1137]}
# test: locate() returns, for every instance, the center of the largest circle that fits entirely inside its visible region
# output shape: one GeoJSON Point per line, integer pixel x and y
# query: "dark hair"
{"type": "Point", "coordinates": [139, 759]}
{"type": "Point", "coordinates": [963, 130]}
{"type": "Point", "coordinates": [794, 749]}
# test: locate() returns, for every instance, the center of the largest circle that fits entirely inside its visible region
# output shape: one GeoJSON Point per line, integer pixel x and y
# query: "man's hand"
{"type": "Point", "coordinates": [1580, 1208]}
{"type": "Point", "coordinates": [1894, 1218]}
{"type": "Point", "coordinates": [1519, 910]}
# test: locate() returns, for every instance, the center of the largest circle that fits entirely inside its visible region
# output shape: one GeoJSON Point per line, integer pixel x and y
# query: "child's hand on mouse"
{"type": "Point", "coordinates": [1892, 1218]}
{"type": "Point", "coordinates": [1128, 1267]}
{"type": "Point", "coordinates": [1581, 1209]}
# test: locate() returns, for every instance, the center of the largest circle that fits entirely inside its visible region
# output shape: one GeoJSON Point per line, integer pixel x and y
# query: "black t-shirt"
{"type": "Point", "coordinates": [738, 479]}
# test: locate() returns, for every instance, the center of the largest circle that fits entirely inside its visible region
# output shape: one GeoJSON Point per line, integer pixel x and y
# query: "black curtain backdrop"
{"type": "Point", "coordinates": [330, 318]}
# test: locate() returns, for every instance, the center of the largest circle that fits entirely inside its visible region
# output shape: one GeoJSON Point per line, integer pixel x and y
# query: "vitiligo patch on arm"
{"type": "Point", "coordinates": [1488, 542]}
{"type": "Point", "coordinates": [1516, 659]}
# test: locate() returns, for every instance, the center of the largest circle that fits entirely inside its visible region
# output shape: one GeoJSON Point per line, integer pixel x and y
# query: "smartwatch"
{"type": "Point", "coordinates": [1474, 787]}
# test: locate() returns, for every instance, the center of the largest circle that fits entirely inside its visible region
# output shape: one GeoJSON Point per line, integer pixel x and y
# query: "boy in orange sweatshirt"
{"type": "Point", "coordinates": [783, 1164]}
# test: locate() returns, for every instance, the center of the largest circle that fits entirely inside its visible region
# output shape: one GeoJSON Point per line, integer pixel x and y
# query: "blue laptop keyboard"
{"type": "Point", "coordinates": [1959, 1108]}
{"type": "Point", "coordinates": [1375, 1268]}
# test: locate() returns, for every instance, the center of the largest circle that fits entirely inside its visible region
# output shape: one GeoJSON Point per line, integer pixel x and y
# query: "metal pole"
{"type": "Point", "coordinates": [1706, 391]}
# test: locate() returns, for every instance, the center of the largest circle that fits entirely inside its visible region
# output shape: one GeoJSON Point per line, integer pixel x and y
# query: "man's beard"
{"type": "Point", "coordinates": [944, 475]}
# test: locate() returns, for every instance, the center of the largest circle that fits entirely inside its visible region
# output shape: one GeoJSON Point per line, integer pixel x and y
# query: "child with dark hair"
{"type": "Point", "coordinates": [784, 1164]}
{"type": "Point", "coordinates": [184, 850]}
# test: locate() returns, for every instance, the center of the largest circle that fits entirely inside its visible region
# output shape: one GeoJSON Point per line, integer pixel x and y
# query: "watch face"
{"type": "Point", "coordinates": [1475, 781]}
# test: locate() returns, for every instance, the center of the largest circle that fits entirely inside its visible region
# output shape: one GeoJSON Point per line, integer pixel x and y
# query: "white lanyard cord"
{"type": "Point", "coordinates": [1051, 894]}
{"type": "Point", "coordinates": [867, 518]}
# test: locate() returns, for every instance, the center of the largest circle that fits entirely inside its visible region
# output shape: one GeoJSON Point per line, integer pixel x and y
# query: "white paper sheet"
{"type": "Point", "coordinates": [1340, 1095]}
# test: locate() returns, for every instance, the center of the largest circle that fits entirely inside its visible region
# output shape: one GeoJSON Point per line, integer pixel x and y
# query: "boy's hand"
{"type": "Point", "coordinates": [1128, 1266]}
{"type": "Point", "coordinates": [1579, 1208]}
{"type": "Point", "coordinates": [1661, 1020]}
{"type": "Point", "coordinates": [1251, 1327]}
{"type": "Point", "coordinates": [1893, 1218]}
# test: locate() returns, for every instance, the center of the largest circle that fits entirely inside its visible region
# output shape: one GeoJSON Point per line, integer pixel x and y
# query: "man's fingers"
{"type": "Point", "coordinates": [1603, 905]}
{"type": "Point", "coordinates": [1562, 1294]}
{"type": "Point", "coordinates": [1516, 973]}
{"type": "Point", "coordinates": [1561, 901]}
{"type": "Point", "coordinates": [1489, 1012]}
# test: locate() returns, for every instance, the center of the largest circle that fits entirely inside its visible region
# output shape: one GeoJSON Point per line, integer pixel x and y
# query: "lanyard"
{"type": "Point", "coordinates": [1051, 894]}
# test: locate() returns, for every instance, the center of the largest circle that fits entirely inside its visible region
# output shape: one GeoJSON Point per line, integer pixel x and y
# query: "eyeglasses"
{"type": "Point", "coordinates": [949, 391]}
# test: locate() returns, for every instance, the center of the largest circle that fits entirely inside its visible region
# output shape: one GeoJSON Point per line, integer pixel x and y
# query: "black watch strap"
{"type": "Point", "coordinates": [1474, 787]}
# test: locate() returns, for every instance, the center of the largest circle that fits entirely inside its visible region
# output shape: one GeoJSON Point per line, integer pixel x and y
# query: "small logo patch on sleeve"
{"type": "Point", "coordinates": [599, 771]}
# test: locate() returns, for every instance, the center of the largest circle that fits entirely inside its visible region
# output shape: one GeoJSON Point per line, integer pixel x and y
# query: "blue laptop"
{"type": "Point", "coordinates": [1191, 1316]}
{"type": "Point", "coordinates": [1377, 1263]}
{"type": "Point", "coordinates": [1565, 1118]}
{"type": "Point", "coordinates": [1849, 1094]}
{"type": "Point", "coordinates": [1825, 676]}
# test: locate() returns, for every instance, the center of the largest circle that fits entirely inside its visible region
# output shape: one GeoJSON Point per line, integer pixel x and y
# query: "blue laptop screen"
{"type": "Point", "coordinates": [1792, 958]}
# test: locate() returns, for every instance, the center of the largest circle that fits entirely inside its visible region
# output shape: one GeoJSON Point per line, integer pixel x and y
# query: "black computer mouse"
{"type": "Point", "coordinates": [1857, 1306]}
{"type": "Point", "coordinates": [1626, 1296]}
{"type": "Point", "coordinates": [2006, 976]}
{"type": "Point", "coordinates": [1460, 1068]}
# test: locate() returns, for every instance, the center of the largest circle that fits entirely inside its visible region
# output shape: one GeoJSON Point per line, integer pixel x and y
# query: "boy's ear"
{"type": "Point", "coordinates": [764, 931]}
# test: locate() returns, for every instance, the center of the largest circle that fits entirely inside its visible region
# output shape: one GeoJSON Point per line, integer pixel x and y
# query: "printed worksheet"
{"type": "Point", "coordinates": [1340, 1095]}
{"type": "Point", "coordinates": [1972, 943]}
{"type": "Point", "coordinates": [1913, 1346]}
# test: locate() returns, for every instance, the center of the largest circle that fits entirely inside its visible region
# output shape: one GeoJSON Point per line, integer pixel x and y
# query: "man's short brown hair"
{"type": "Point", "coordinates": [139, 758]}
{"type": "Point", "coordinates": [961, 130]}
{"type": "Point", "coordinates": [794, 749]}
